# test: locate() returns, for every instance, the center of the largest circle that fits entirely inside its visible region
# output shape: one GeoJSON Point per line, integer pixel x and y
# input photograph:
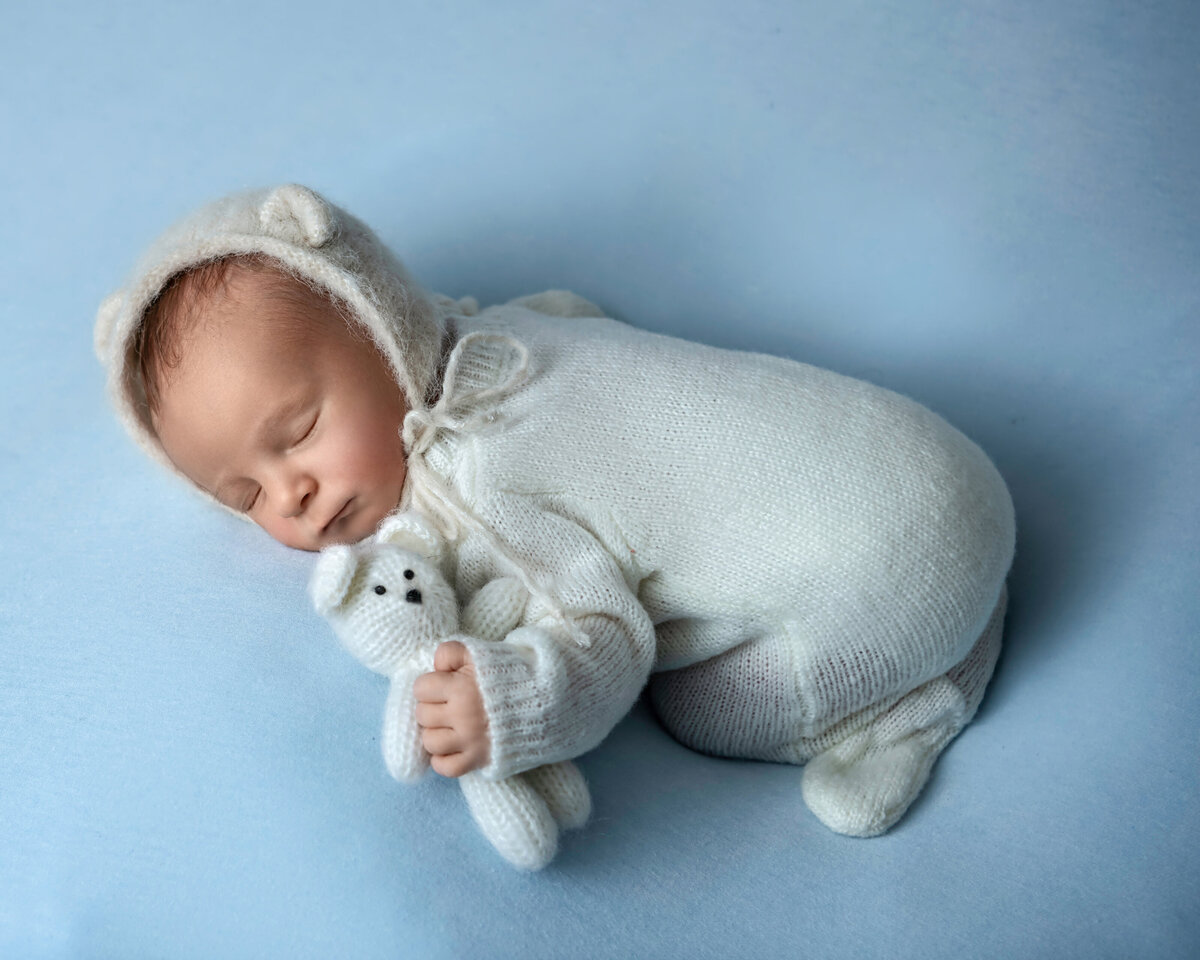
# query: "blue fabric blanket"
{"type": "Point", "coordinates": [991, 206]}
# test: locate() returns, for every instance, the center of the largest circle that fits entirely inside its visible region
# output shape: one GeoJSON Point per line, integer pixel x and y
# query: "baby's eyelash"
{"type": "Point", "coordinates": [252, 501]}
{"type": "Point", "coordinates": [311, 427]}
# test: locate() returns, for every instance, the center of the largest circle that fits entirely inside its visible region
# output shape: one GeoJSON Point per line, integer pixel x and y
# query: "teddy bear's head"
{"type": "Point", "coordinates": [386, 598]}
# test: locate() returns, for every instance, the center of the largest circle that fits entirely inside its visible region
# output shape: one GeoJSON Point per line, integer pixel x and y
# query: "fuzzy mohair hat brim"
{"type": "Point", "coordinates": [317, 241]}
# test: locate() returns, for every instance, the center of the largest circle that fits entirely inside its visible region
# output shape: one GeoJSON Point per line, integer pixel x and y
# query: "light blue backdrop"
{"type": "Point", "coordinates": [991, 206]}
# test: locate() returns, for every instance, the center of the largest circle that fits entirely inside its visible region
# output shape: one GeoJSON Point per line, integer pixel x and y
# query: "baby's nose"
{"type": "Point", "coordinates": [296, 497]}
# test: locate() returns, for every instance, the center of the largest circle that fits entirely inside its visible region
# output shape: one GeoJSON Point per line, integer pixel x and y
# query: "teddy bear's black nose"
{"type": "Point", "coordinates": [413, 596]}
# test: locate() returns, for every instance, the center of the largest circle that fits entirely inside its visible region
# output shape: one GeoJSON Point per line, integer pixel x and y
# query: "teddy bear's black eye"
{"type": "Point", "coordinates": [380, 589]}
{"type": "Point", "coordinates": [408, 574]}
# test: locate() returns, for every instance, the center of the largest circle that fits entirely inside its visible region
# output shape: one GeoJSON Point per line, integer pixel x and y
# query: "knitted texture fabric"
{"type": "Point", "coordinates": [793, 552]}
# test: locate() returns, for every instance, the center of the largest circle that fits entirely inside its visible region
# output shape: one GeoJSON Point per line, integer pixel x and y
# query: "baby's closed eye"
{"type": "Point", "coordinates": [251, 499]}
{"type": "Point", "coordinates": [307, 427]}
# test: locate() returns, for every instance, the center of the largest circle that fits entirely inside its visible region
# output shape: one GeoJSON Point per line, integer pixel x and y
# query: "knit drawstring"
{"type": "Point", "coordinates": [461, 413]}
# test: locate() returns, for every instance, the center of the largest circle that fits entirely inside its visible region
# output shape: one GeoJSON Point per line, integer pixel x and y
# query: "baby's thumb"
{"type": "Point", "coordinates": [450, 656]}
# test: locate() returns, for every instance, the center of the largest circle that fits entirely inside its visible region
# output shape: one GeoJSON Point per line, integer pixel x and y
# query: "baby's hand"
{"type": "Point", "coordinates": [450, 713]}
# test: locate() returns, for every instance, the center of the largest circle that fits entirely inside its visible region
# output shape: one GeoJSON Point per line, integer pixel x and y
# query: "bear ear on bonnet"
{"type": "Point", "coordinates": [106, 318]}
{"type": "Point", "coordinates": [298, 215]}
{"type": "Point", "coordinates": [412, 531]}
{"type": "Point", "coordinates": [331, 578]}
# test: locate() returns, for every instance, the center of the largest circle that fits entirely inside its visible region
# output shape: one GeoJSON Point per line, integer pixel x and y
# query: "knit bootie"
{"type": "Point", "coordinates": [861, 786]}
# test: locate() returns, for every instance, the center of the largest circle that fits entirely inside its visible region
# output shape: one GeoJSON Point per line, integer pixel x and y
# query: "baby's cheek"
{"type": "Point", "coordinates": [286, 532]}
{"type": "Point", "coordinates": [374, 452]}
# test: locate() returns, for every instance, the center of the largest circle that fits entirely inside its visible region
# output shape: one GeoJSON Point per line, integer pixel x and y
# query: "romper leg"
{"type": "Point", "coordinates": [864, 769]}
{"type": "Point", "coordinates": [972, 674]}
{"type": "Point", "coordinates": [740, 703]}
{"type": "Point", "coordinates": [862, 784]}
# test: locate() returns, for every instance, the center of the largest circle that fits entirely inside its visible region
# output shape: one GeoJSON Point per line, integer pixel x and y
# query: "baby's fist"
{"type": "Point", "coordinates": [450, 713]}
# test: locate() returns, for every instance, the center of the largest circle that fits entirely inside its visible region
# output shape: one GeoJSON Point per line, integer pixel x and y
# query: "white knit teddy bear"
{"type": "Point", "coordinates": [391, 606]}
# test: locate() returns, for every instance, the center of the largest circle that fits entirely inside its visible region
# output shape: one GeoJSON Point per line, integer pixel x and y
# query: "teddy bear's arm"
{"type": "Point", "coordinates": [495, 609]}
{"type": "Point", "coordinates": [403, 753]}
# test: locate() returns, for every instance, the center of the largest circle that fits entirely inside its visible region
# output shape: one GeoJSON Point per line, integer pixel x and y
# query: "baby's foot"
{"type": "Point", "coordinates": [863, 785]}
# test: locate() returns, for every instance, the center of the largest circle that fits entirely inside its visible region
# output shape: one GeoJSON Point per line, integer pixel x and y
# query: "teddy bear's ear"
{"type": "Point", "coordinates": [296, 213]}
{"type": "Point", "coordinates": [106, 317]}
{"type": "Point", "coordinates": [331, 578]}
{"type": "Point", "coordinates": [412, 531]}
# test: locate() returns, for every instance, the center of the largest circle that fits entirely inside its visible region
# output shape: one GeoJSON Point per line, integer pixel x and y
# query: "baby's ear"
{"type": "Point", "coordinates": [331, 578]}
{"type": "Point", "coordinates": [106, 316]}
{"type": "Point", "coordinates": [412, 531]}
{"type": "Point", "coordinates": [297, 214]}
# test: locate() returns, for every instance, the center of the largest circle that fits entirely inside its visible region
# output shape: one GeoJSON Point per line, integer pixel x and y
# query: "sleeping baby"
{"type": "Point", "coordinates": [802, 567]}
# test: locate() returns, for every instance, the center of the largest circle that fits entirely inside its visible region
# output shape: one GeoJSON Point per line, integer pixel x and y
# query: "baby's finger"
{"type": "Point", "coordinates": [432, 687]}
{"type": "Point", "coordinates": [450, 656]}
{"type": "Point", "coordinates": [440, 741]}
{"type": "Point", "coordinates": [432, 715]}
{"type": "Point", "coordinates": [454, 765]}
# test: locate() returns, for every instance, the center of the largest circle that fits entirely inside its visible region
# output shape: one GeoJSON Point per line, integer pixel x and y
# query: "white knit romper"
{"type": "Point", "coordinates": [821, 561]}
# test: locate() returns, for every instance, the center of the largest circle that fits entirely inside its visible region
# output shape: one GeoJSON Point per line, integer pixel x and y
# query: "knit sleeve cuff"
{"type": "Point", "coordinates": [519, 679]}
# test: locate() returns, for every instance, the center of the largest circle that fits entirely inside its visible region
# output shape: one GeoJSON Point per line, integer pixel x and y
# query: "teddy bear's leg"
{"type": "Point", "coordinates": [514, 818]}
{"type": "Point", "coordinates": [864, 783]}
{"type": "Point", "coordinates": [565, 791]}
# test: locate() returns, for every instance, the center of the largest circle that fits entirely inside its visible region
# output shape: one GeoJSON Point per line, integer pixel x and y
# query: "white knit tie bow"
{"type": "Point", "coordinates": [461, 411]}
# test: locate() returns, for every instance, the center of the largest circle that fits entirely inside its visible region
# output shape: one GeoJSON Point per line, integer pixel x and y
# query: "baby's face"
{"type": "Point", "coordinates": [296, 426]}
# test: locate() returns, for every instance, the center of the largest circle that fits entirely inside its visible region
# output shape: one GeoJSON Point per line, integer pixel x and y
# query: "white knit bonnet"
{"type": "Point", "coordinates": [316, 240]}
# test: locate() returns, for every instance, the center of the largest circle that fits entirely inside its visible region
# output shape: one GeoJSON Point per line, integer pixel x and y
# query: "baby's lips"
{"type": "Point", "coordinates": [341, 514]}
